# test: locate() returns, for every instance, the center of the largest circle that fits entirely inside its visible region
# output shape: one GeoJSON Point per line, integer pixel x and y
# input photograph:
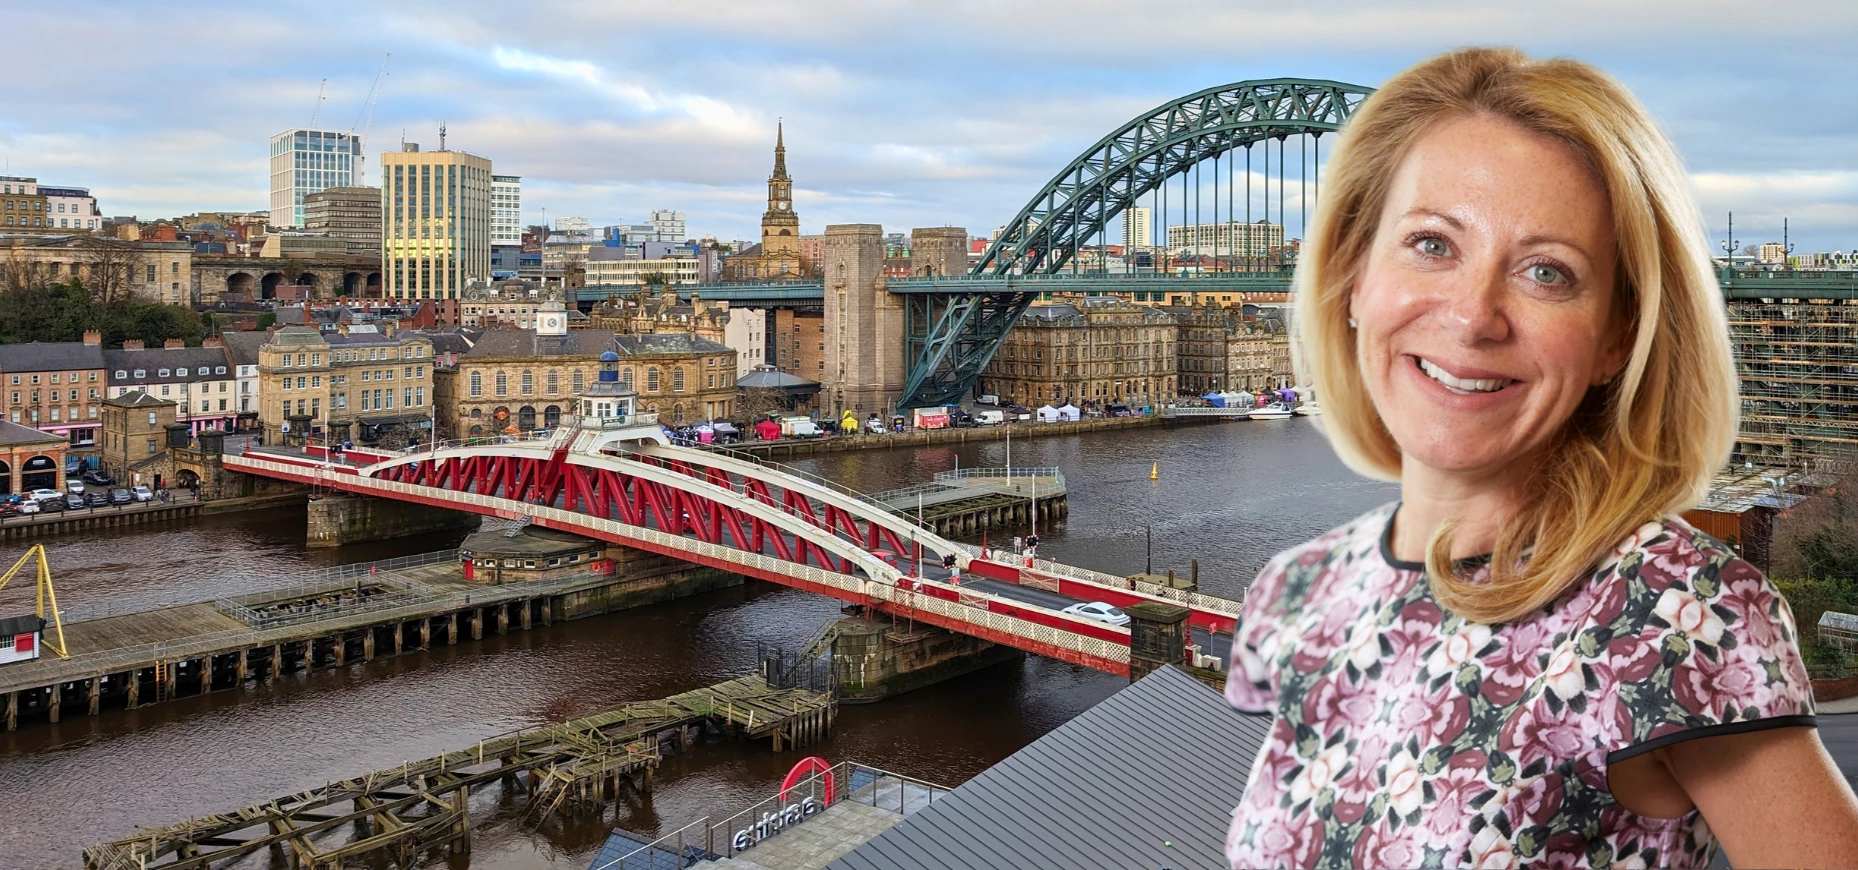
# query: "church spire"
{"type": "Point", "coordinates": [780, 153]}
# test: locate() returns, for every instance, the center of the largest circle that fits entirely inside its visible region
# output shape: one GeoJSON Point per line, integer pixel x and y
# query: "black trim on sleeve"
{"type": "Point", "coordinates": [1744, 727]}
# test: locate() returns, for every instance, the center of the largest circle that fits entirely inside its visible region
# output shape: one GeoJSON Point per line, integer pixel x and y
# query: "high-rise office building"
{"type": "Point", "coordinates": [306, 161]}
{"type": "Point", "coordinates": [435, 222]}
{"type": "Point", "coordinates": [506, 210]}
{"type": "Point", "coordinates": [668, 224]}
{"type": "Point", "coordinates": [1138, 229]}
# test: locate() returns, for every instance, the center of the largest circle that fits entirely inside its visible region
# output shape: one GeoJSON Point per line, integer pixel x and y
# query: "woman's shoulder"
{"type": "Point", "coordinates": [1339, 549]}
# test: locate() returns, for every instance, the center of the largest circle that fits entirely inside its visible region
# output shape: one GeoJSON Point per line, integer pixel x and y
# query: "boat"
{"type": "Point", "coordinates": [1309, 409]}
{"type": "Point", "coordinates": [1273, 411]}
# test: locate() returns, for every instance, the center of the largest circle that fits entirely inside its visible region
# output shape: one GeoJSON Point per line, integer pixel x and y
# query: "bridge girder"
{"type": "Point", "coordinates": [958, 341]}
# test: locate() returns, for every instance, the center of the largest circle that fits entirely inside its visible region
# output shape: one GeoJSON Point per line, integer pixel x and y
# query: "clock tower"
{"type": "Point", "coordinates": [780, 227]}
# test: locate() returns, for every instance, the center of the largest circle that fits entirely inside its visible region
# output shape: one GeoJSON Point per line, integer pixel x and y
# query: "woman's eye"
{"type": "Point", "coordinates": [1543, 273]}
{"type": "Point", "coordinates": [1433, 247]}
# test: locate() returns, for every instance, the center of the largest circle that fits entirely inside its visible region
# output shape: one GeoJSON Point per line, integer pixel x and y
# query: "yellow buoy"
{"type": "Point", "coordinates": [1154, 473]}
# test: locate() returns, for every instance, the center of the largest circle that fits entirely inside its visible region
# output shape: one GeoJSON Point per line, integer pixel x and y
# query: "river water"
{"type": "Point", "coordinates": [1227, 494]}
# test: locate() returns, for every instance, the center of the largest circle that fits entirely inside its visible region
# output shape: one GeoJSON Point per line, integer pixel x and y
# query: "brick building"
{"type": "Point", "coordinates": [1202, 347]}
{"type": "Point", "coordinates": [55, 387]}
{"type": "Point", "coordinates": [367, 384]}
{"type": "Point", "coordinates": [135, 431]}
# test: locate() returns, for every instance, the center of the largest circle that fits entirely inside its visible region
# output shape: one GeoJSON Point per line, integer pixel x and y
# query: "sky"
{"type": "Point", "coordinates": [904, 114]}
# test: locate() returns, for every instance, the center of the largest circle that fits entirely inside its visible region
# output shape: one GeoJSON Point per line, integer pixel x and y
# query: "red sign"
{"type": "Point", "coordinates": [23, 642]}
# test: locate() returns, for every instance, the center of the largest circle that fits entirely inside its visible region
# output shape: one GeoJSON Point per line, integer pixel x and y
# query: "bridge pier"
{"type": "Point", "coordinates": [336, 520]}
{"type": "Point", "coordinates": [883, 658]}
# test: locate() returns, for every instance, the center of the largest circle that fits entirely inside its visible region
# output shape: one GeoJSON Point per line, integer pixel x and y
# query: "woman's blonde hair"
{"type": "Point", "coordinates": [1644, 444]}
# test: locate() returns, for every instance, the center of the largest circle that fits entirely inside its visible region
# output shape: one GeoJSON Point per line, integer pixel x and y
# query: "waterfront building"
{"type": "Point", "coordinates": [71, 208]}
{"type": "Point", "coordinates": [435, 213]}
{"type": "Point", "coordinates": [1227, 239]}
{"type": "Point", "coordinates": [201, 381]}
{"type": "Point", "coordinates": [681, 377]}
{"type": "Point", "coordinates": [1201, 346]}
{"type": "Point", "coordinates": [797, 342]}
{"type": "Point", "coordinates": [135, 431]}
{"type": "Point", "coordinates": [645, 312]}
{"type": "Point", "coordinates": [350, 214]}
{"type": "Point", "coordinates": [242, 352]}
{"type": "Point", "coordinates": [1138, 228]}
{"type": "Point", "coordinates": [611, 268]}
{"type": "Point", "coordinates": [30, 459]}
{"type": "Point", "coordinates": [746, 333]}
{"type": "Point", "coordinates": [777, 257]}
{"type": "Point", "coordinates": [1086, 350]}
{"type": "Point", "coordinates": [363, 383]}
{"type": "Point", "coordinates": [306, 161]}
{"type": "Point", "coordinates": [55, 386]}
{"type": "Point", "coordinates": [1258, 357]}
{"type": "Point", "coordinates": [20, 198]}
{"type": "Point", "coordinates": [110, 268]}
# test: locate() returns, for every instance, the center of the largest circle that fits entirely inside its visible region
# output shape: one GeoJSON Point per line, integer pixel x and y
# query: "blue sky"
{"type": "Point", "coordinates": [899, 113]}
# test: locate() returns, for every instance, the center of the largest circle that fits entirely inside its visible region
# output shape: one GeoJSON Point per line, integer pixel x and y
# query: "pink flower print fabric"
{"type": "Point", "coordinates": [1405, 736]}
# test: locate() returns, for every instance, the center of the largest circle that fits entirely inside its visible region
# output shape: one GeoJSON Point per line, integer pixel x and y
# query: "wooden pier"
{"type": "Point", "coordinates": [136, 659]}
{"type": "Point", "coordinates": [403, 813]}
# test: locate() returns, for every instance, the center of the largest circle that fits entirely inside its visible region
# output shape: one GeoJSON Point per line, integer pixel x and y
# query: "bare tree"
{"type": "Point", "coordinates": [18, 273]}
{"type": "Point", "coordinates": [110, 267]}
{"type": "Point", "coordinates": [753, 403]}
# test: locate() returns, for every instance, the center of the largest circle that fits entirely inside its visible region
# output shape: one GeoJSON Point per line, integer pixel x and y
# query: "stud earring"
{"type": "Point", "coordinates": [1351, 323]}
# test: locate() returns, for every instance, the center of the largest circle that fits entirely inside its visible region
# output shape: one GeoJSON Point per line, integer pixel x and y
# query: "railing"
{"type": "Point", "coordinates": [303, 579]}
{"type": "Point", "coordinates": [849, 780]}
{"type": "Point", "coordinates": [1013, 625]}
{"type": "Point", "coordinates": [256, 614]}
{"type": "Point", "coordinates": [965, 473]}
{"type": "Point", "coordinates": [1193, 411]}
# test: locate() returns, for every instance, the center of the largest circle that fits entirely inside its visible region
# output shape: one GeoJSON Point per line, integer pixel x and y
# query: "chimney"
{"type": "Point", "coordinates": [173, 343]}
{"type": "Point", "coordinates": [215, 341]}
{"type": "Point", "coordinates": [93, 337]}
{"type": "Point", "coordinates": [132, 344]}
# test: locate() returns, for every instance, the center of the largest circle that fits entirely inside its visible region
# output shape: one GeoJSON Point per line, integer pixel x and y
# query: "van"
{"type": "Point", "coordinates": [800, 427]}
{"type": "Point", "coordinates": [989, 416]}
{"type": "Point", "coordinates": [987, 400]}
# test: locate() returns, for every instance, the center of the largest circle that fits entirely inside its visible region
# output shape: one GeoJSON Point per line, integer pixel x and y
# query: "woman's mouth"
{"type": "Point", "coordinates": [1461, 386]}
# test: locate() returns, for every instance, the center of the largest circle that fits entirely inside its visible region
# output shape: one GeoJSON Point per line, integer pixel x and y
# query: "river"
{"type": "Point", "coordinates": [1227, 494]}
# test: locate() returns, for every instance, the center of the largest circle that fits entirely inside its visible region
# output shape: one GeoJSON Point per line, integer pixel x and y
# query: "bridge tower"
{"type": "Point", "coordinates": [938, 252]}
{"type": "Point", "coordinates": [863, 324]}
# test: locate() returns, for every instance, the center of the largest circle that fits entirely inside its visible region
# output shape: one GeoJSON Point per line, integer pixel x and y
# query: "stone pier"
{"type": "Point", "coordinates": [881, 659]}
{"type": "Point", "coordinates": [335, 520]}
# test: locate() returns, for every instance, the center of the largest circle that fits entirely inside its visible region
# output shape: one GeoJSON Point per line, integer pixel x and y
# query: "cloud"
{"type": "Point", "coordinates": [902, 113]}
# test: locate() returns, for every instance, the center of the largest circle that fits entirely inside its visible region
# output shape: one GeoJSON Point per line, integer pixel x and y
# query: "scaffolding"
{"type": "Point", "coordinates": [1798, 365]}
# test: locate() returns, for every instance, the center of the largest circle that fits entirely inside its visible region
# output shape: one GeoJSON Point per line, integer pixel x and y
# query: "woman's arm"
{"type": "Point", "coordinates": [1773, 797]}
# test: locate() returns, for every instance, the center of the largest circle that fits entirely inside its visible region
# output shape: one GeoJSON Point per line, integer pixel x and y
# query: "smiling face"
{"type": "Point", "coordinates": [1485, 302]}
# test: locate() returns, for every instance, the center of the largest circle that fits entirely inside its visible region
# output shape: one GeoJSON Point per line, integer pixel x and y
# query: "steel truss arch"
{"type": "Point", "coordinates": [1137, 158]}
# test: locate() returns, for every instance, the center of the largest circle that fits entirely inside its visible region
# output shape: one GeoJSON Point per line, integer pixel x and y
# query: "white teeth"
{"type": "Point", "coordinates": [1462, 385]}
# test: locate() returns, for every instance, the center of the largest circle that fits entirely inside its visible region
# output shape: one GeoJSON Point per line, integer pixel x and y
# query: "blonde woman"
{"type": "Point", "coordinates": [1507, 307]}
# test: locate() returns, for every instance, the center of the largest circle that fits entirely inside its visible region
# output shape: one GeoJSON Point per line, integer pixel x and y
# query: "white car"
{"type": "Point", "coordinates": [28, 506]}
{"type": "Point", "coordinates": [74, 486]}
{"type": "Point", "coordinates": [142, 493]}
{"type": "Point", "coordinates": [44, 494]}
{"type": "Point", "coordinates": [1098, 611]}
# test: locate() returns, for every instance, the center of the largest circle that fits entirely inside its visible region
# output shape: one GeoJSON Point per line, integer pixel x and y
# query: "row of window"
{"type": "Point", "coordinates": [54, 396]}
{"type": "Point", "coordinates": [54, 378]}
{"type": "Point", "coordinates": [123, 375]}
{"type": "Point", "coordinates": [36, 205]}
{"type": "Point", "coordinates": [367, 354]}
{"type": "Point", "coordinates": [365, 400]}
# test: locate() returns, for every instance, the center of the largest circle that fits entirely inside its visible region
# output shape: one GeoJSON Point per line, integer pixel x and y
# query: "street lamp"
{"type": "Point", "coordinates": [1728, 243]}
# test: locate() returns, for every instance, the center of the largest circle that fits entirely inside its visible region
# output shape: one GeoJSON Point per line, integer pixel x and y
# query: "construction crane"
{"type": "Point", "coordinates": [374, 96]}
{"type": "Point", "coordinates": [45, 593]}
{"type": "Point", "coordinates": [320, 88]}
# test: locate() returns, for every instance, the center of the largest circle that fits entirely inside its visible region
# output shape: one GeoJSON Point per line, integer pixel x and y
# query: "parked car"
{"type": "Point", "coordinates": [51, 504]}
{"type": "Point", "coordinates": [1098, 611]}
{"type": "Point", "coordinates": [97, 498]}
{"type": "Point", "coordinates": [28, 506]}
{"type": "Point", "coordinates": [990, 416]}
{"type": "Point", "coordinates": [74, 486]}
{"type": "Point", "coordinates": [97, 478]}
{"type": "Point", "coordinates": [75, 502]}
{"type": "Point", "coordinates": [142, 493]}
{"type": "Point", "coordinates": [43, 494]}
{"type": "Point", "coordinates": [9, 509]}
{"type": "Point", "coordinates": [875, 425]}
{"type": "Point", "coordinates": [958, 419]}
{"type": "Point", "coordinates": [120, 496]}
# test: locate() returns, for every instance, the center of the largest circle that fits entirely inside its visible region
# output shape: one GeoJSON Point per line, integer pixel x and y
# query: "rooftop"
{"type": "Point", "coordinates": [13, 434]}
{"type": "Point", "coordinates": [50, 356]}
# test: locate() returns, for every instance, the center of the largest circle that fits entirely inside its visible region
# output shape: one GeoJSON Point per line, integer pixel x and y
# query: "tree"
{"type": "Point", "coordinates": [754, 403]}
{"type": "Point", "coordinates": [266, 321]}
{"type": "Point", "coordinates": [1818, 538]}
{"type": "Point", "coordinates": [109, 267]}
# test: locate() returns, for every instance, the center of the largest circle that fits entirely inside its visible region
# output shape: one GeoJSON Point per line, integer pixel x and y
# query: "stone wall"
{"type": "Point", "coordinates": [863, 325]}
{"type": "Point", "coordinates": [881, 659]}
{"type": "Point", "coordinates": [335, 520]}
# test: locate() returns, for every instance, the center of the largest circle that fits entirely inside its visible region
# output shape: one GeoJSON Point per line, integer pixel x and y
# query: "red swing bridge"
{"type": "Point", "coordinates": [616, 478]}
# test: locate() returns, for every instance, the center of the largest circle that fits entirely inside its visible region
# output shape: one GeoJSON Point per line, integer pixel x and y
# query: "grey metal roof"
{"type": "Point", "coordinates": [525, 343]}
{"type": "Point", "coordinates": [50, 356]}
{"type": "Point", "coordinates": [775, 379]}
{"type": "Point", "coordinates": [1163, 760]}
{"type": "Point", "coordinates": [666, 342]}
{"type": "Point", "coordinates": [200, 363]}
{"type": "Point", "coordinates": [12, 434]}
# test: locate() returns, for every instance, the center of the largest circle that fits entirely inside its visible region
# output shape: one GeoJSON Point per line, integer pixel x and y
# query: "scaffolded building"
{"type": "Point", "coordinates": [1796, 347]}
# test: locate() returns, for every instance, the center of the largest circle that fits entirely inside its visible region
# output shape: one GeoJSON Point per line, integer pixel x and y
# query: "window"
{"type": "Point", "coordinates": [409, 373]}
{"type": "Point", "coordinates": [503, 383]}
{"type": "Point", "coordinates": [677, 379]}
{"type": "Point", "coordinates": [407, 399]}
{"type": "Point", "coordinates": [316, 381]}
{"type": "Point", "coordinates": [300, 382]}
{"type": "Point", "coordinates": [286, 361]}
{"type": "Point", "coordinates": [625, 377]}
{"type": "Point", "coordinates": [164, 390]}
{"type": "Point", "coordinates": [222, 405]}
{"type": "Point", "coordinates": [54, 377]}
{"type": "Point", "coordinates": [554, 382]}
{"type": "Point", "coordinates": [151, 446]}
{"type": "Point", "coordinates": [120, 375]}
{"type": "Point", "coordinates": [286, 383]}
{"type": "Point", "coordinates": [219, 370]}
{"type": "Point", "coordinates": [365, 376]}
{"type": "Point", "coordinates": [151, 418]}
{"type": "Point", "coordinates": [35, 380]}
{"type": "Point", "coordinates": [651, 380]}
{"type": "Point", "coordinates": [178, 372]}
{"type": "Point", "coordinates": [419, 395]}
{"type": "Point", "coordinates": [477, 384]}
{"type": "Point", "coordinates": [151, 272]}
{"type": "Point", "coordinates": [204, 403]}
{"type": "Point", "coordinates": [528, 382]}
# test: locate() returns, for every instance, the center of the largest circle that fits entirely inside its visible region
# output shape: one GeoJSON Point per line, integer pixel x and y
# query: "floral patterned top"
{"type": "Point", "coordinates": [1405, 736]}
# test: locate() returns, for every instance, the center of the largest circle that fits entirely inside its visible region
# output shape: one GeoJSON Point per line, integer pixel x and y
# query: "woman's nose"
{"type": "Point", "coordinates": [1473, 313]}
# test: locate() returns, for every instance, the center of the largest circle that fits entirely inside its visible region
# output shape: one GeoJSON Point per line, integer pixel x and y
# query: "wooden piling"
{"type": "Point", "coordinates": [12, 711]}
{"type": "Point", "coordinates": [133, 691]}
{"type": "Point", "coordinates": [477, 623]}
{"type": "Point", "coordinates": [525, 605]}
{"type": "Point", "coordinates": [55, 701]}
{"type": "Point", "coordinates": [367, 644]}
{"type": "Point", "coordinates": [341, 649]}
{"type": "Point", "coordinates": [206, 674]}
{"type": "Point", "coordinates": [451, 629]}
{"type": "Point", "coordinates": [96, 694]}
{"type": "Point", "coordinates": [277, 661]}
{"type": "Point", "coordinates": [425, 634]}
{"type": "Point", "coordinates": [503, 619]}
